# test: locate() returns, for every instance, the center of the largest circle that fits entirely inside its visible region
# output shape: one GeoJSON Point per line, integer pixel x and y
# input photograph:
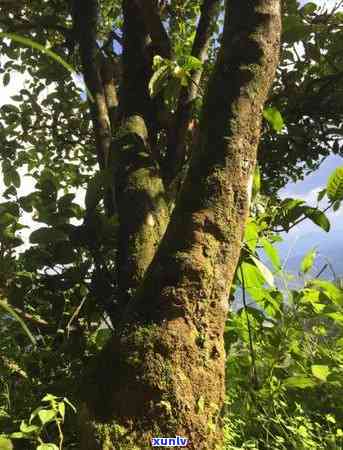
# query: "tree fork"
{"type": "Point", "coordinates": [164, 368]}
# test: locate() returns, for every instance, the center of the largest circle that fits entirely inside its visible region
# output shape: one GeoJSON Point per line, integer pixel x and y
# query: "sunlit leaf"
{"type": "Point", "coordinates": [46, 415]}
{"type": "Point", "coordinates": [274, 117]}
{"type": "Point", "coordinates": [320, 371]}
{"type": "Point", "coordinates": [5, 443]}
{"type": "Point", "coordinates": [317, 217]}
{"type": "Point", "coordinates": [272, 253]}
{"type": "Point", "coordinates": [301, 382]}
{"type": "Point", "coordinates": [335, 185]}
{"type": "Point", "coordinates": [308, 260]}
{"type": "Point", "coordinates": [265, 272]}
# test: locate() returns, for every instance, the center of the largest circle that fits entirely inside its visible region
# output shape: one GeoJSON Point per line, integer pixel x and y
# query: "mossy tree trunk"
{"type": "Point", "coordinates": [162, 374]}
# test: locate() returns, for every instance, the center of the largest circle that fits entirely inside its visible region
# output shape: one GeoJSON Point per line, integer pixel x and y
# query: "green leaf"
{"type": "Point", "coordinates": [49, 398]}
{"type": "Point", "coordinates": [28, 429]}
{"type": "Point", "coordinates": [335, 185]}
{"type": "Point", "coordinates": [251, 274]}
{"type": "Point", "coordinates": [321, 195]}
{"type": "Point", "coordinates": [47, 235]}
{"type": "Point", "coordinates": [5, 443]}
{"type": "Point", "coordinates": [272, 253]}
{"type": "Point", "coordinates": [329, 289]}
{"type": "Point", "coordinates": [6, 80]}
{"type": "Point", "coordinates": [15, 178]}
{"type": "Point", "coordinates": [308, 260]}
{"type": "Point", "coordinates": [274, 117]}
{"type": "Point", "coordinates": [158, 80]}
{"type": "Point", "coordinates": [321, 372]}
{"type": "Point", "coordinates": [317, 217]}
{"type": "Point", "coordinates": [46, 415]}
{"type": "Point", "coordinates": [299, 381]}
{"type": "Point", "coordinates": [18, 435]}
{"type": "Point", "coordinates": [47, 447]}
{"type": "Point", "coordinates": [35, 413]}
{"type": "Point", "coordinates": [192, 63]}
{"type": "Point", "coordinates": [309, 8]}
{"type": "Point", "coordinates": [265, 272]}
{"type": "Point", "coordinates": [336, 205]}
{"type": "Point", "coordinates": [251, 235]}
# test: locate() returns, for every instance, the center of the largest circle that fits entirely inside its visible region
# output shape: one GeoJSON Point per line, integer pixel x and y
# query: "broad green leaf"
{"type": "Point", "coordinates": [309, 296]}
{"type": "Point", "coordinates": [192, 63]}
{"type": "Point", "coordinates": [336, 205]}
{"type": "Point", "coordinates": [5, 443]}
{"type": "Point", "coordinates": [309, 8]}
{"type": "Point", "coordinates": [274, 117]}
{"type": "Point", "coordinates": [18, 435]}
{"type": "Point", "coordinates": [49, 398]}
{"type": "Point", "coordinates": [7, 78]}
{"type": "Point", "coordinates": [251, 274]}
{"type": "Point", "coordinates": [334, 293]}
{"type": "Point", "coordinates": [47, 235]}
{"type": "Point", "coordinates": [299, 381]}
{"type": "Point", "coordinates": [336, 316]}
{"type": "Point", "coordinates": [46, 415]}
{"type": "Point", "coordinates": [265, 272]}
{"type": "Point", "coordinates": [47, 447]}
{"type": "Point", "coordinates": [28, 429]}
{"type": "Point", "coordinates": [15, 178]}
{"type": "Point", "coordinates": [272, 253]}
{"type": "Point", "coordinates": [158, 80]}
{"type": "Point", "coordinates": [317, 217]}
{"type": "Point", "coordinates": [335, 185]}
{"type": "Point", "coordinates": [35, 413]}
{"type": "Point", "coordinates": [320, 371]}
{"type": "Point", "coordinates": [321, 195]}
{"type": "Point", "coordinates": [308, 260]}
{"type": "Point", "coordinates": [251, 235]}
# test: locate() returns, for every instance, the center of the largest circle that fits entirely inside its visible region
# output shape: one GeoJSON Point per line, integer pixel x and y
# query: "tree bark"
{"type": "Point", "coordinates": [162, 374]}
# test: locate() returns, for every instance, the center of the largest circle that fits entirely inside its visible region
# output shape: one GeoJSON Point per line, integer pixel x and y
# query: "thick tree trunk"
{"type": "Point", "coordinates": [162, 375]}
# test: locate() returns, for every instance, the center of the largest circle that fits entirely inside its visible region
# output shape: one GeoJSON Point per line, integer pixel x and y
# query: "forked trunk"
{"type": "Point", "coordinates": [162, 375]}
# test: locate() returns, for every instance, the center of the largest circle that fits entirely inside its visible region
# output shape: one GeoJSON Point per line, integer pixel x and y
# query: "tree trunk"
{"type": "Point", "coordinates": [162, 374]}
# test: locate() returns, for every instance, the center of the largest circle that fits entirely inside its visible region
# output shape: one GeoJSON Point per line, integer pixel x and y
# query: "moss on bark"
{"type": "Point", "coordinates": [163, 372]}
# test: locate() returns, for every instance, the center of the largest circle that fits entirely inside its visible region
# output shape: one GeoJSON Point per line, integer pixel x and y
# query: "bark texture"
{"type": "Point", "coordinates": [163, 372]}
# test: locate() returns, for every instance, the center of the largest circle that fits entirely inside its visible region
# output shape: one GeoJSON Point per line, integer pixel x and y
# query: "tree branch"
{"type": "Point", "coordinates": [154, 25]}
{"type": "Point", "coordinates": [177, 144]}
{"type": "Point", "coordinates": [142, 208]}
{"type": "Point", "coordinates": [85, 14]}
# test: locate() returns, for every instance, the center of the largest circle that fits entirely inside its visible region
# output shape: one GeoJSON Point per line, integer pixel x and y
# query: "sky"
{"type": "Point", "coordinates": [306, 235]}
{"type": "Point", "coordinates": [299, 240]}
